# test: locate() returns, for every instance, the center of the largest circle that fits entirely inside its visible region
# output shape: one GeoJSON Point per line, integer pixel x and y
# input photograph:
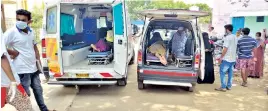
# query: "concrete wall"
{"type": "Point", "coordinates": [254, 26]}
{"type": "Point", "coordinates": [222, 10]}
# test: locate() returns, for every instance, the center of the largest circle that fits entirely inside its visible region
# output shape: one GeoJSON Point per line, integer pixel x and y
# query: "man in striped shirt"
{"type": "Point", "coordinates": [246, 60]}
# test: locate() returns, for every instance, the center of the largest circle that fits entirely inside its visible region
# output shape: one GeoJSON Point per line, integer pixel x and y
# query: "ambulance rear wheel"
{"type": "Point", "coordinates": [122, 82]}
{"type": "Point", "coordinates": [141, 85]}
{"type": "Point", "coordinates": [190, 89]}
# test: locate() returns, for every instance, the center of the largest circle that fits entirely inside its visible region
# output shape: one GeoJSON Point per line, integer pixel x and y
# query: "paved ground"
{"type": "Point", "coordinates": [158, 98]}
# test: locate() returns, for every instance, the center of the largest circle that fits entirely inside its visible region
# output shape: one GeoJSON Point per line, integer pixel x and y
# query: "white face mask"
{"type": "Point", "coordinates": [21, 25]}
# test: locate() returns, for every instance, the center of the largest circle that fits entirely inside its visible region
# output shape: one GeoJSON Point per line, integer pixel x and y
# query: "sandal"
{"type": "Point", "coordinates": [220, 89]}
{"type": "Point", "coordinates": [244, 84]}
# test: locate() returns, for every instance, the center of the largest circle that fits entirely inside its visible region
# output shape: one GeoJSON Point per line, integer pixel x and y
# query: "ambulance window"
{"type": "Point", "coordinates": [51, 20]}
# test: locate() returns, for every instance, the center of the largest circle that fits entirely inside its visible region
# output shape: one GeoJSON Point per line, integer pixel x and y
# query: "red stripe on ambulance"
{"type": "Point", "coordinates": [169, 73]}
{"type": "Point", "coordinates": [106, 74]}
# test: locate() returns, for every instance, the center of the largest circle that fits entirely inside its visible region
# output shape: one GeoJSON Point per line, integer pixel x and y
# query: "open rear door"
{"type": "Point", "coordinates": [51, 43]}
{"type": "Point", "coordinates": [203, 54]}
{"type": "Point", "coordinates": [120, 38]}
{"type": "Point", "coordinates": [187, 15]}
{"type": "Point", "coordinates": [180, 14]}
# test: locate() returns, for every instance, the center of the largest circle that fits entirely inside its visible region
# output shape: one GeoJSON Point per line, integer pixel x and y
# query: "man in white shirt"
{"type": "Point", "coordinates": [227, 59]}
{"type": "Point", "coordinates": [25, 54]}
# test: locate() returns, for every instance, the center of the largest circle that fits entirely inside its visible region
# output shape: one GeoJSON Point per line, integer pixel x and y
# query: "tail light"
{"type": "Point", "coordinates": [197, 60]}
{"type": "Point", "coordinates": [44, 55]}
{"type": "Point", "coordinates": [139, 57]}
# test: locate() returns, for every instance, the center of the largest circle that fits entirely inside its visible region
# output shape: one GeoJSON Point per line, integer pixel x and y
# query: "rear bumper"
{"type": "Point", "coordinates": [82, 82]}
{"type": "Point", "coordinates": [179, 76]}
{"type": "Point", "coordinates": [93, 79]}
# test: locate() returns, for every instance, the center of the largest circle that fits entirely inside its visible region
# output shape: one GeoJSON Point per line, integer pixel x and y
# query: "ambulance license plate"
{"type": "Point", "coordinates": [84, 75]}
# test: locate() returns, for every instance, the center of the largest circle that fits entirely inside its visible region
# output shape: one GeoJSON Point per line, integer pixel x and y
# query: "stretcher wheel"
{"type": "Point", "coordinates": [148, 63]}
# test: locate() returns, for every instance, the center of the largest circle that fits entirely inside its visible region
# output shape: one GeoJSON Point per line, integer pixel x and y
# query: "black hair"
{"type": "Point", "coordinates": [212, 28]}
{"type": "Point", "coordinates": [246, 31]}
{"type": "Point", "coordinates": [259, 34]}
{"type": "Point", "coordinates": [25, 13]}
{"type": "Point", "coordinates": [229, 27]}
{"type": "Point", "coordinates": [205, 34]}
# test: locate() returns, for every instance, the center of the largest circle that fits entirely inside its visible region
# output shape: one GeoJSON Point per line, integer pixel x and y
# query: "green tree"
{"type": "Point", "coordinates": [37, 17]}
{"type": "Point", "coordinates": [136, 6]}
{"type": "Point", "coordinates": [205, 8]}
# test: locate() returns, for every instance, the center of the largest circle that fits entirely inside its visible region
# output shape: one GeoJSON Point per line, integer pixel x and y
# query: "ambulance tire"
{"type": "Point", "coordinates": [190, 89]}
{"type": "Point", "coordinates": [122, 82]}
{"type": "Point", "coordinates": [141, 85]}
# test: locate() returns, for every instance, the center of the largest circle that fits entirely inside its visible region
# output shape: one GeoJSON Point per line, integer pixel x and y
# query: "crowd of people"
{"type": "Point", "coordinates": [22, 73]}
{"type": "Point", "coordinates": [240, 51]}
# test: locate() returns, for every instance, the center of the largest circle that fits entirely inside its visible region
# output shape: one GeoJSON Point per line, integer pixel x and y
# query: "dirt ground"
{"type": "Point", "coordinates": [159, 98]}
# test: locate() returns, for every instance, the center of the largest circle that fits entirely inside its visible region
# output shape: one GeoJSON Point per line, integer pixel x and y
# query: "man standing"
{"type": "Point", "coordinates": [246, 60]}
{"type": "Point", "coordinates": [228, 58]}
{"type": "Point", "coordinates": [25, 55]}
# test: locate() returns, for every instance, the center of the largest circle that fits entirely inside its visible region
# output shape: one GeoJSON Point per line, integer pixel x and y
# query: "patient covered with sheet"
{"type": "Point", "coordinates": [104, 45]}
{"type": "Point", "coordinates": [158, 48]}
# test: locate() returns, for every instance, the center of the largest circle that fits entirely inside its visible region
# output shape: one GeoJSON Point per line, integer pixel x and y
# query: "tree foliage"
{"type": "Point", "coordinates": [136, 6]}
{"type": "Point", "coordinates": [37, 17]}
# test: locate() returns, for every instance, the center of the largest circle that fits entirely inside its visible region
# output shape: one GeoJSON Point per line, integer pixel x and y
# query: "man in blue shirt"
{"type": "Point", "coordinates": [246, 60]}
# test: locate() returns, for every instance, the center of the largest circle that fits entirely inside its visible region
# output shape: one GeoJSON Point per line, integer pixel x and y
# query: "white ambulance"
{"type": "Point", "coordinates": [70, 27]}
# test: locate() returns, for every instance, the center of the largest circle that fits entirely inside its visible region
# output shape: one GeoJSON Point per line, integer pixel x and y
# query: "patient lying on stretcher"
{"type": "Point", "coordinates": [104, 45]}
{"type": "Point", "coordinates": [158, 48]}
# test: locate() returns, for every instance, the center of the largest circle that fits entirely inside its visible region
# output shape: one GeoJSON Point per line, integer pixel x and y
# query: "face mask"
{"type": "Point", "coordinates": [21, 25]}
{"type": "Point", "coordinates": [258, 38]}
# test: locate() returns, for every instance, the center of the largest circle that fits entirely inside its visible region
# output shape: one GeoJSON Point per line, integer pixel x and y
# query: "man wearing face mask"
{"type": "Point", "coordinates": [25, 55]}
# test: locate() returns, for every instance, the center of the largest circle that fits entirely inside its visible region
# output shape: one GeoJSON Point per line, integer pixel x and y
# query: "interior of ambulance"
{"type": "Point", "coordinates": [86, 32]}
{"type": "Point", "coordinates": [176, 36]}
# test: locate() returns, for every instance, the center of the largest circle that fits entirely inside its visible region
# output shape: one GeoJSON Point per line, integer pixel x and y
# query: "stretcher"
{"type": "Point", "coordinates": [151, 58]}
{"type": "Point", "coordinates": [100, 57]}
{"type": "Point", "coordinates": [184, 61]}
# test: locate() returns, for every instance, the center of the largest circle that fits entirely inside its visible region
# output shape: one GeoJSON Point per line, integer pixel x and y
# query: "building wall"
{"type": "Point", "coordinates": [254, 26]}
{"type": "Point", "coordinates": [10, 10]}
{"type": "Point", "coordinates": [222, 10]}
